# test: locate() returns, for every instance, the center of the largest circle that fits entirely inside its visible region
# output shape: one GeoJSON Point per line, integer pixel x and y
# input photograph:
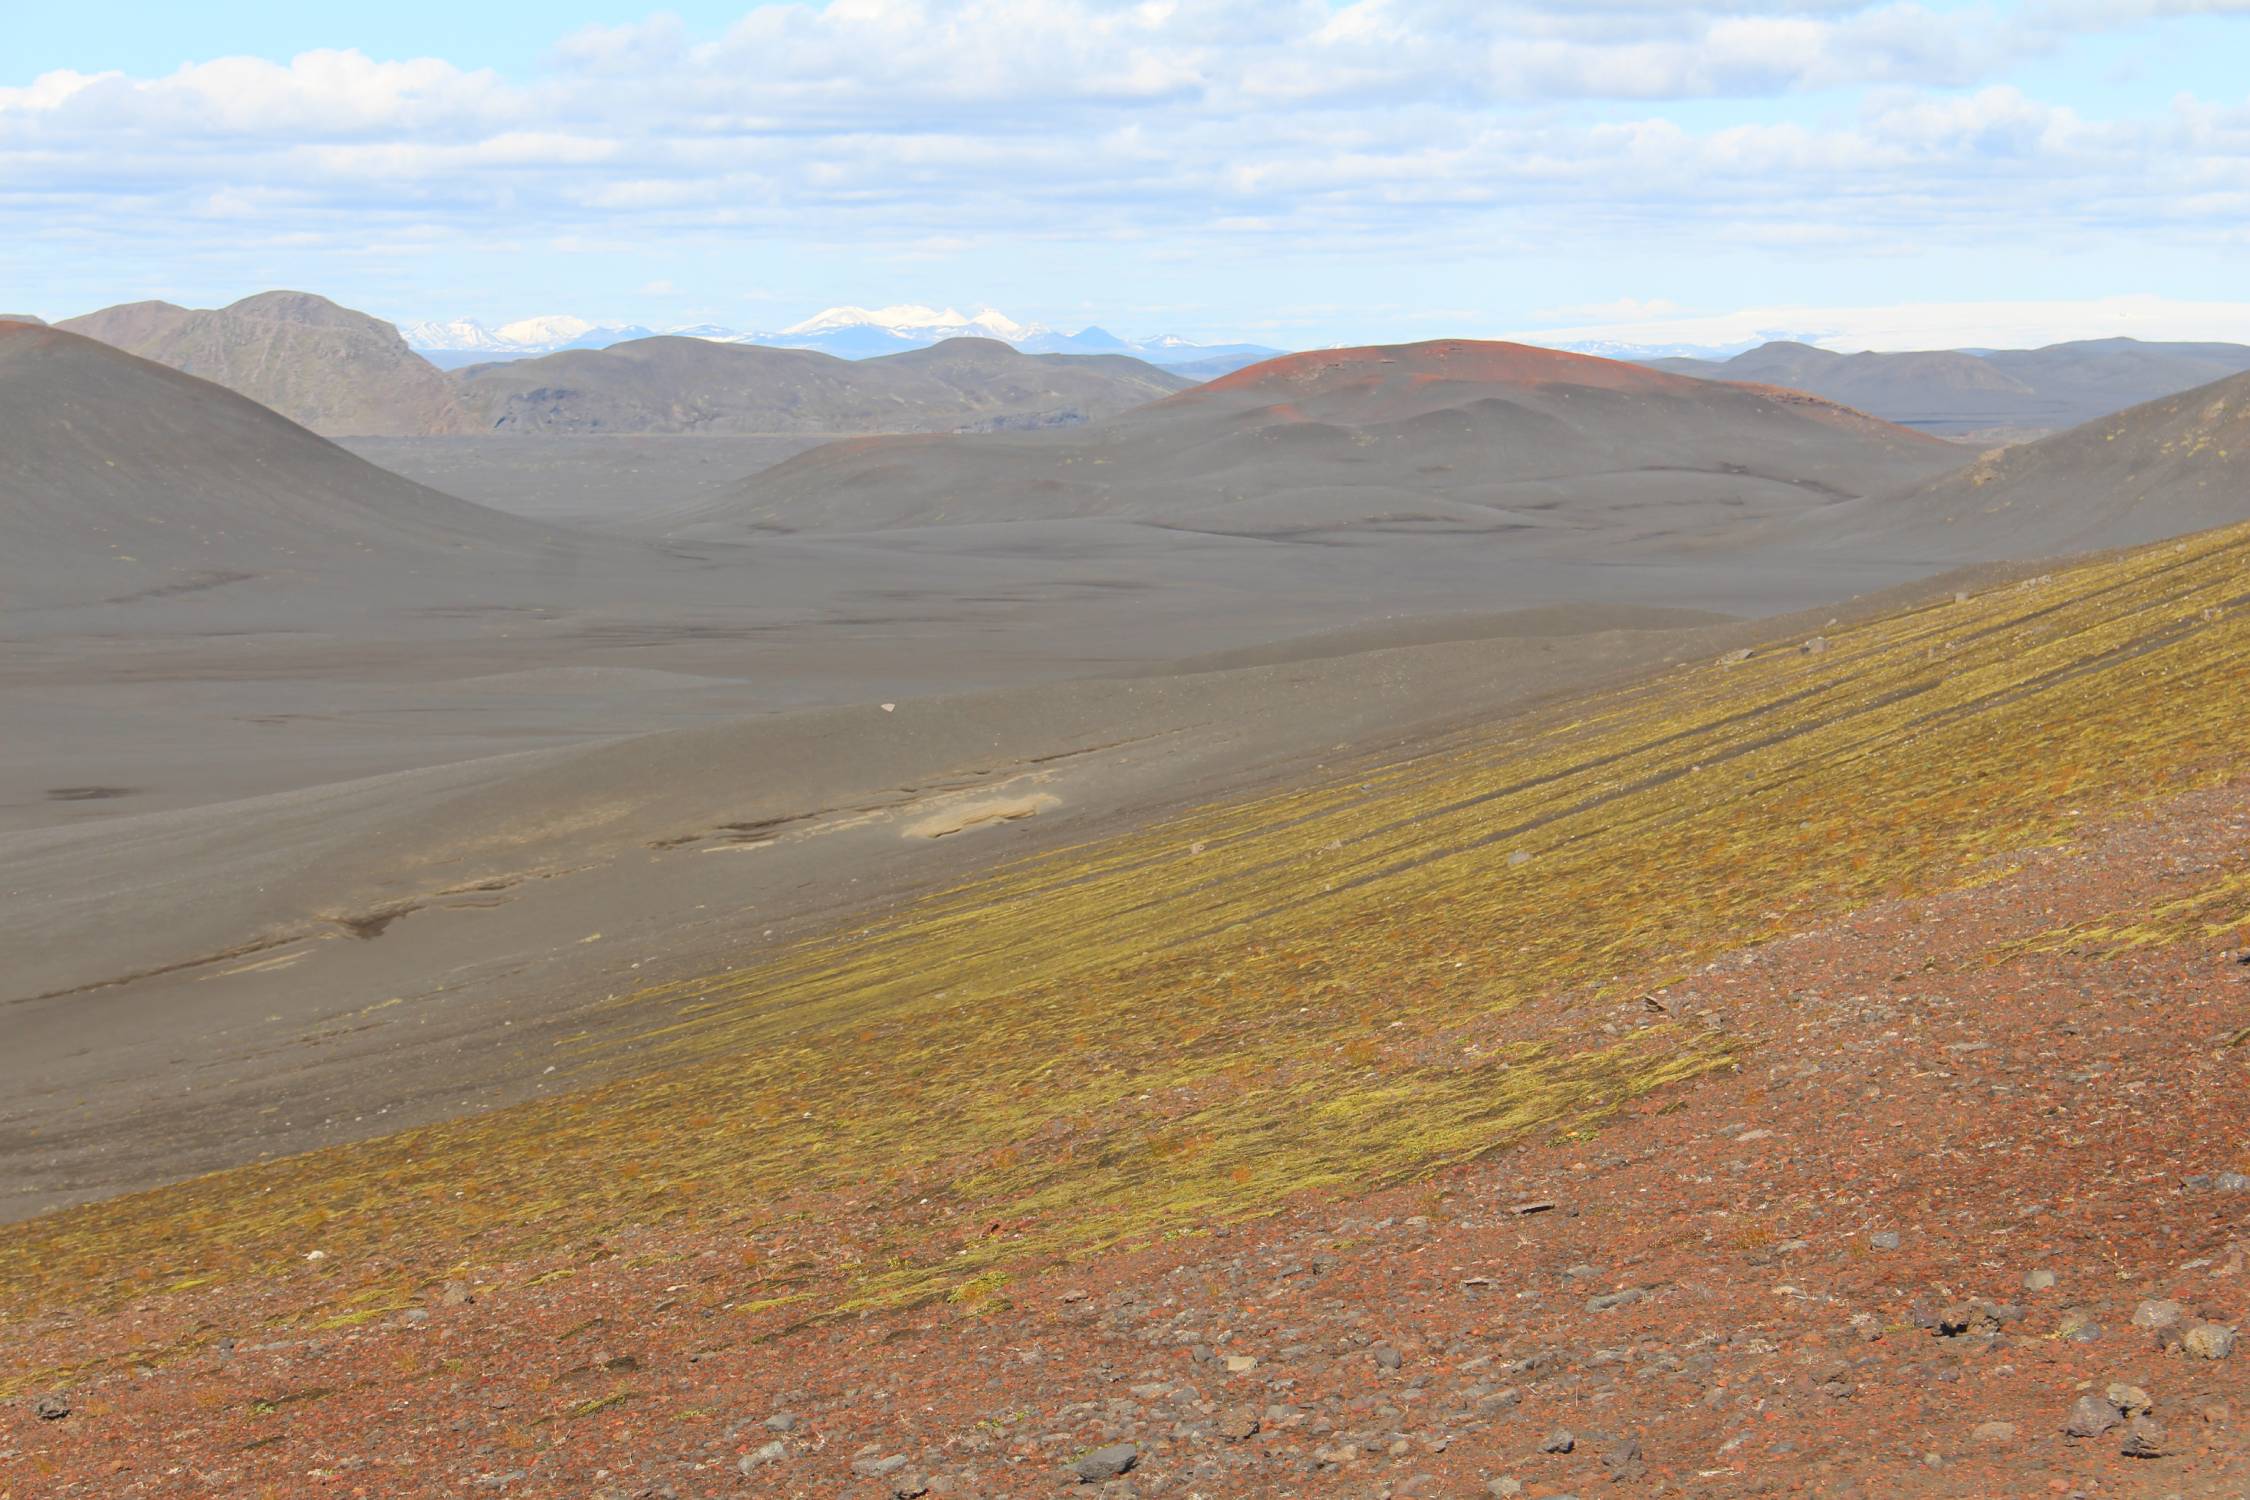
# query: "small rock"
{"type": "Point", "coordinates": [2158, 1316]}
{"type": "Point", "coordinates": [1994, 1432]}
{"type": "Point", "coordinates": [1815, 646]}
{"type": "Point", "coordinates": [1237, 1423]}
{"type": "Point", "coordinates": [53, 1408]}
{"type": "Point", "coordinates": [1506, 1487]}
{"type": "Point", "coordinates": [1559, 1442]}
{"type": "Point", "coordinates": [2039, 1281]}
{"type": "Point", "coordinates": [1519, 857]}
{"type": "Point", "coordinates": [877, 1468]}
{"type": "Point", "coordinates": [2129, 1399]}
{"type": "Point", "coordinates": [1610, 1300]}
{"type": "Point", "coordinates": [759, 1458]}
{"type": "Point", "coordinates": [457, 1294]}
{"type": "Point", "coordinates": [1241, 1364]}
{"type": "Point", "coordinates": [2143, 1439]}
{"type": "Point", "coordinates": [2231, 1182]}
{"type": "Point", "coordinates": [782, 1421]}
{"type": "Point", "coordinates": [1884, 1239]}
{"type": "Point", "coordinates": [2208, 1341]}
{"type": "Point", "coordinates": [2091, 1417]}
{"type": "Point", "coordinates": [1623, 1460]}
{"type": "Point", "coordinates": [1106, 1463]}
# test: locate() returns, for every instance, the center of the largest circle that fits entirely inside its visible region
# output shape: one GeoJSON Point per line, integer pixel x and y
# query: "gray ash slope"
{"type": "Point", "coordinates": [124, 479]}
{"type": "Point", "coordinates": [2165, 468]}
{"type": "Point", "coordinates": [670, 385]}
{"type": "Point", "coordinates": [1453, 436]}
{"type": "Point", "coordinates": [1953, 392]}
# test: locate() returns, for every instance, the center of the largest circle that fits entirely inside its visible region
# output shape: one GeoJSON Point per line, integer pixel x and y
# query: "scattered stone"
{"type": "Point", "coordinates": [2039, 1281]}
{"type": "Point", "coordinates": [1623, 1460]}
{"type": "Point", "coordinates": [1238, 1422]}
{"type": "Point", "coordinates": [1386, 1358]}
{"type": "Point", "coordinates": [2158, 1316]}
{"type": "Point", "coordinates": [1559, 1442]}
{"type": "Point", "coordinates": [1994, 1432]}
{"type": "Point", "coordinates": [1241, 1364]}
{"type": "Point", "coordinates": [2231, 1182]}
{"type": "Point", "coordinates": [2091, 1417]}
{"type": "Point", "coordinates": [1106, 1463]}
{"type": "Point", "coordinates": [2078, 1327]}
{"type": "Point", "coordinates": [2143, 1439]}
{"type": "Point", "coordinates": [457, 1294]}
{"type": "Point", "coordinates": [877, 1468]}
{"type": "Point", "coordinates": [1735, 657]}
{"type": "Point", "coordinates": [1609, 1300]}
{"type": "Point", "coordinates": [1884, 1239]}
{"type": "Point", "coordinates": [1979, 1316]}
{"type": "Point", "coordinates": [759, 1458]}
{"type": "Point", "coordinates": [2208, 1341]}
{"type": "Point", "coordinates": [782, 1421]}
{"type": "Point", "coordinates": [1815, 646]}
{"type": "Point", "coordinates": [52, 1408]}
{"type": "Point", "coordinates": [1543, 1205]}
{"type": "Point", "coordinates": [2129, 1399]}
{"type": "Point", "coordinates": [1519, 857]}
{"type": "Point", "coordinates": [1506, 1487]}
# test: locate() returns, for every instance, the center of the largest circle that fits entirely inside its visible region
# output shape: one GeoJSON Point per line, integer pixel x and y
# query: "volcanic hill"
{"type": "Point", "coordinates": [124, 479]}
{"type": "Point", "coordinates": [338, 372]}
{"type": "Point", "coordinates": [1558, 449]}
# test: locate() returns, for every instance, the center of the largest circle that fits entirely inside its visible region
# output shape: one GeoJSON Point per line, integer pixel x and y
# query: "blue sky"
{"type": "Point", "coordinates": [1296, 171]}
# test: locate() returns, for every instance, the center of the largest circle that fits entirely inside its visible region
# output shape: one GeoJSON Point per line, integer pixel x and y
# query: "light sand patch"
{"type": "Point", "coordinates": [977, 813]}
{"type": "Point", "coordinates": [264, 965]}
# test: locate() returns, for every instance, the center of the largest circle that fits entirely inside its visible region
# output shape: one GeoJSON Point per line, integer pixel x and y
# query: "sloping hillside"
{"type": "Point", "coordinates": [1486, 975]}
{"type": "Point", "coordinates": [687, 385]}
{"type": "Point", "coordinates": [2176, 465]}
{"type": "Point", "coordinates": [1559, 449]}
{"type": "Point", "coordinates": [123, 478]}
{"type": "Point", "coordinates": [1954, 392]}
{"type": "Point", "coordinates": [338, 372]}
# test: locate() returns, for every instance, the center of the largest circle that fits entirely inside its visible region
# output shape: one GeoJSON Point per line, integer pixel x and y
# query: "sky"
{"type": "Point", "coordinates": [1295, 172]}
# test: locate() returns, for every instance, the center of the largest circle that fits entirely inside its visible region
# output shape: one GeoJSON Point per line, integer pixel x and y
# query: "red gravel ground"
{"type": "Point", "coordinates": [1705, 1296]}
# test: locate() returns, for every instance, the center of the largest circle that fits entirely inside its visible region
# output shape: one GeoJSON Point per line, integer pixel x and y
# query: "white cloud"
{"type": "Point", "coordinates": [1387, 130]}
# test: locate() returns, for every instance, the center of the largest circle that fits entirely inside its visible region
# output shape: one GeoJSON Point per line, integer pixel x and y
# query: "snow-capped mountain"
{"type": "Point", "coordinates": [524, 336]}
{"type": "Point", "coordinates": [849, 332]}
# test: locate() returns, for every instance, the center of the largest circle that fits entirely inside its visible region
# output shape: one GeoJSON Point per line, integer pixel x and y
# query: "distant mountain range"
{"type": "Point", "coordinates": [1961, 393]}
{"type": "Point", "coordinates": [847, 332]}
{"type": "Point", "coordinates": [346, 374]}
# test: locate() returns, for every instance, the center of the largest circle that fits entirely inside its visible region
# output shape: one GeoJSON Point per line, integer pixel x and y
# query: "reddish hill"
{"type": "Point", "coordinates": [1452, 434]}
{"type": "Point", "coordinates": [1468, 361]}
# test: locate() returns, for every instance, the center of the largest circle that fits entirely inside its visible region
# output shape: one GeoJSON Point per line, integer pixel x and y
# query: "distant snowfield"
{"type": "Point", "coordinates": [851, 332]}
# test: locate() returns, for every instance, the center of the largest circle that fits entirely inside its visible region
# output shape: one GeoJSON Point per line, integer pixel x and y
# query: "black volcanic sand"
{"type": "Point", "coordinates": [329, 801]}
{"type": "Point", "coordinates": [621, 480]}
